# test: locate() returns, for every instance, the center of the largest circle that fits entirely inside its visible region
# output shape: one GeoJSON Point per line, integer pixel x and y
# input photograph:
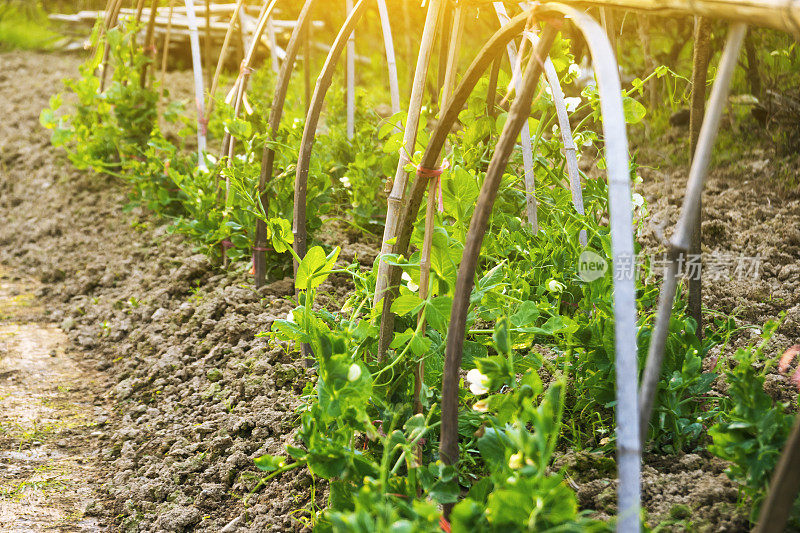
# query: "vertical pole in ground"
{"type": "Point", "coordinates": [702, 55]}
{"type": "Point", "coordinates": [351, 78]}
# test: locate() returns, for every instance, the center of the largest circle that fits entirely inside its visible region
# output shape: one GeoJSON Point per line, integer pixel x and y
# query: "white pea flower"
{"type": "Point", "coordinates": [515, 462]}
{"type": "Point", "coordinates": [481, 406]}
{"type": "Point", "coordinates": [345, 182]}
{"type": "Point", "coordinates": [555, 286]}
{"type": "Point", "coordinates": [572, 103]}
{"type": "Point", "coordinates": [290, 316]}
{"type": "Point", "coordinates": [413, 287]}
{"type": "Point", "coordinates": [354, 372]}
{"type": "Point", "coordinates": [478, 383]}
{"type": "Point", "coordinates": [574, 70]}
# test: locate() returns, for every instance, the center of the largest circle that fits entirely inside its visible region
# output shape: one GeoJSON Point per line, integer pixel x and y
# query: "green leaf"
{"type": "Point", "coordinates": [634, 111]}
{"type": "Point", "coordinates": [268, 463]}
{"type": "Point", "coordinates": [406, 303]}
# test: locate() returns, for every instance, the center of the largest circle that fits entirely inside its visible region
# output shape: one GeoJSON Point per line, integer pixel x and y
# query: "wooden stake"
{"type": "Point", "coordinates": [388, 43]}
{"type": "Point", "coordinates": [702, 55]}
{"type": "Point", "coordinates": [165, 52]}
{"type": "Point", "coordinates": [197, 68]}
{"type": "Point", "coordinates": [430, 211]}
{"type": "Point", "coordinates": [351, 78]}
{"type": "Point", "coordinates": [149, 43]}
{"type": "Point", "coordinates": [397, 195]}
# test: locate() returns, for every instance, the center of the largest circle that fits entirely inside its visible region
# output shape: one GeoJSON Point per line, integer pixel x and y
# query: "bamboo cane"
{"type": "Point", "coordinates": [149, 43]}
{"type": "Point", "coordinates": [702, 53]}
{"type": "Point", "coordinates": [681, 238]}
{"type": "Point", "coordinates": [307, 65]}
{"type": "Point", "coordinates": [430, 211]}
{"type": "Point", "coordinates": [309, 131]}
{"type": "Point", "coordinates": [491, 95]}
{"type": "Point", "coordinates": [273, 46]}
{"type": "Point", "coordinates": [207, 43]}
{"type": "Point", "coordinates": [388, 43]}
{"type": "Point", "coordinates": [784, 487]}
{"type": "Point", "coordinates": [112, 21]}
{"type": "Point", "coordinates": [489, 54]}
{"type": "Point", "coordinates": [444, 46]}
{"type": "Point", "coordinates": [519, 113]}
{"type": "Point", "coordinates": [197, 68]}
{"type": "Point", "coordinates": [165, 52]}
{"type": "Point", "coordinates": [397, 195]}
{"type": "Point", "coordinates": [223, 54]}
{"type": "Point", "coordinates": [240, 87]}
{"type": "Point", "coordinates": [351, 78]}
{"type": "Point", "coordinates": [268, 157]}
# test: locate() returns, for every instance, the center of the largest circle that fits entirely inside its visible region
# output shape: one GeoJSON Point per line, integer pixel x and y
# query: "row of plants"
{"type": "Point", "coordinates": [539, 353]}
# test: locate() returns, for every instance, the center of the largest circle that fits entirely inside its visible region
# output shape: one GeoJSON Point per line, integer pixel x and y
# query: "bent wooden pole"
{"type": "Point", "coordinates": [682, 237]}
{"type": "Point", "coordinates": [488, 55]}
{"type": "Point", "coordinates": [268, 157]}
{"type": "Point", "coordinates": [310, 129]}
{"type": "Point", "coordinates": [197, 70]}
{"type": "Point", "coordinates": [784, 487]}
{"type": "Point", "coordinates": [397, 196]}
{"type": "Point", "coordinates": [519, 113]}
{"type": "Point", "coordinates": [223, 55]}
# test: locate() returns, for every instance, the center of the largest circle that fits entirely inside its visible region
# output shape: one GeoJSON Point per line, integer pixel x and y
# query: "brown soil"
{"type": "Point", "coordinates": [196, 396]}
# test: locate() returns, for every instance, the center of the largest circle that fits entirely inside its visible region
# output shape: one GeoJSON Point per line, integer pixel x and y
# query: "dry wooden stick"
{"type": "Point", "coordinates": [165, 52]}
{"type": "Point", "coordinates": [149, 43]}
{"type": "Point", "coordinates": [240, 87]}
{"type": "Point", "coordinates": [531, 206]}
{"type": "Point", "coordinates": [310, 129]}
{"type": "Point", "coordinates": [397, 195]}
{"type": "Point", "coordinates": [207, 44]}
{"type": "Point", "coordinates": [112, 21]}
{"type": "Point", "coordinates": [519, 113]}
{"type": "Point", "coordinates": [197, 69]}
{"type": "Point", "coordinates": [268, 157]}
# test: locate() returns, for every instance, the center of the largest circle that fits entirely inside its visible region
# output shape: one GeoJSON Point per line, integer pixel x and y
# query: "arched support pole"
{"type": "Point", "coordinates": [310, 130]}
{"type": "Point", "coordinates": [518, 114]}
{"type": "Point", "coordinates": [682, 237]}
{"type": "Point", "coordinates": [616, 153]}
{"type": "Point", "coordinates": [268, 157]}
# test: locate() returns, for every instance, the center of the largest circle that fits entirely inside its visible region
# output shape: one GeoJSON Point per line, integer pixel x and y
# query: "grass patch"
{"type": "Point", "coordinates": [25, 26]}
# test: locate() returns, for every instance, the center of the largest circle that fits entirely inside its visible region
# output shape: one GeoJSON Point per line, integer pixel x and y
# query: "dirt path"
{"type": "Point", "coordinates": [48, 420]}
